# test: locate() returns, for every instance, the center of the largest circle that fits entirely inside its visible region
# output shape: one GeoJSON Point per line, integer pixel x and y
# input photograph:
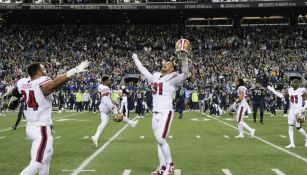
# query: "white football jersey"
{"type": "Point", "coordinates": [105, 102]}
{"type": "Point", "coordinates": [244, 89]}
{"type": "Point", "coordinates": [296, 98]}
{"type": "Point", "coordinates": [38, 107]}
{"type": "Point", "coordinates": [164, 89]}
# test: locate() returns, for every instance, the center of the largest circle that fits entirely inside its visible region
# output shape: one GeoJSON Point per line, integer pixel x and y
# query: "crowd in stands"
{"type": "Point", "coordinates": [219, 56]}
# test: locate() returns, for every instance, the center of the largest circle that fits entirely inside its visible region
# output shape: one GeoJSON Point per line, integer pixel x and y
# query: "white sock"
{"type": "Point", "coordinates": [166, 152]}
{"type": "Point", "coordinates": [161, 156]}
{"type": "Point", "coordinates": [103, 124]}
{"type": "Point", "coordinates": [240, 127]}
{"type": "Point", "coordinates": [290, 130]}
{"type": "Point", "coordinates": [303, 132]}
{"type": "Point", "coordinates": [45, 169]}
{"type": "Point", "coordinates": [246, 126]}
{"type": "Point", "coordinates": [33, 168]}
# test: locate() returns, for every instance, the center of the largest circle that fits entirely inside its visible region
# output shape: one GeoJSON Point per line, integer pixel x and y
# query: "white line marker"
{"type": "Point", "coordinates": [85, 137]}
{"type": "Point", "coordinates": [96, 153]}
{"type": "Point", "coordinates": [226, 136]}
{"type": "Point", "coordinates": [2, 137]}
{"type": "Point", "coordinates": [170, 137]}
{"type": "Point", "coordinates": [81, 170]}
{"type": "Point", "coordinates": [142, 137]}
{"type": "Point", "coordinates": [126, 172]}
{"type": "Point", "coordinates": [278, 172]}
{"type": "Point", "coordinates": [198, 136]}
{"type": "Point", "coordinates": [58, 137]}
{"type": "Point", "coordinates": [226, 172]}
{"type": "Point", "coordinates": [282, 136]}
{"type": "Point", "coordinates": [177, 172]}
{"type": "Point", "coordinates": [265, 141]}
{"type": "Point", "coordinates": [65, 116]}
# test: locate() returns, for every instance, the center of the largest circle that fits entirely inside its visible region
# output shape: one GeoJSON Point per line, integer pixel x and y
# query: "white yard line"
{"type": "Point", "coordinates": [282, 136]}
{"type": "Point", "coordinates": [170, 137]}
{"type": "Point", "coordinates": [278, 172]}
{"type": "Point", "coordinates": [96, 153]}
{"type": "Point", "coordinates": [81, 170]}
{"type": "Point", "coordinates": [58, 137]}
{"type": "Point", "coordinates": [198, 136]}
{"type": "Point", "coordinates": [142, 137]}
{"type": "Point", "coordinates": [85, 137]}
{"type": "Point", "coordinates": [226, 172]}
{"type": "Point", "coordinates": [126, 172]}
{"type": "Point", "coordinates": [65, 116]}
{"type": "Point", "coordinates": [2, 137]}
{"type": "Point", "coordinates": [226, 136]}
{"type": "Point", "coordinates": [177, 172]}
{"type": "Point", "coordinates": [265, 141]}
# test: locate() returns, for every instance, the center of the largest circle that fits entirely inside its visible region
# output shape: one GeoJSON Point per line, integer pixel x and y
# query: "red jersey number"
{"type": "Point", "coordinates": [157, 88]}
{"type": "Point", "coordinates": [29, 101]}
{"type": "Point", "coordinates": [294, 99]}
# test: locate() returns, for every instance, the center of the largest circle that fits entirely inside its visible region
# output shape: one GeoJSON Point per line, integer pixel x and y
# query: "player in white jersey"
{"type": "Point", "coordinates": [106, 107]}
{"type": "Point", "coordinates": [296, 96]}
{"type": "Point", "coordinates": [124, 101]}
{"type": "Point", "coordinates": [242, 104]}
{"type": "Point", "coordinates": [164, 85]}
{"type": "Point", "coordinates": [36, 93]}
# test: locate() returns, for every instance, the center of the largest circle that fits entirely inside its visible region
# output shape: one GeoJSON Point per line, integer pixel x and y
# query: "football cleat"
{"type": "Point", "coordinates": [95, 141]}
{"type": "Point", "coordinates": [169, 169]}
{"type": "Point", "coordinates": [133, 123]}
{"type": "Point", "coordinates": [290, 146]}
{"type": "Point", "coordinates": [159, 171]}
{"type": "Point", "coordinates": [239, 136]}
{"type": "Point", "coordinates": [253, 132]}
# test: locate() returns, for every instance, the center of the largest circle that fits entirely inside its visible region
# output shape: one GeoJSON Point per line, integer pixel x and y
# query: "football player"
{"type": "Point", "coordinates": [36, 92]}
{"type": "Point", "coordinates": [242, 104]}
{"type": "Point", "coordinates": [105, 108]}
{"type": "Point", "coordinates": [164, 85]}
{"type": "Point", "coordinates": [296, 95]}
{"type": "Point", "coordinates": [124, 101]}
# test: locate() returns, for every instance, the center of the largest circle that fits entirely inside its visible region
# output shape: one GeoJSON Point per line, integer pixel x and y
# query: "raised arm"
{"type": "Point", "coordinates": [142, 69]}
{"type": "Point", "coordinates": [278, 94]}
{"type": "Point", "coordinates": [305, 100]}
{"type": "Point", "coordinates": [184, 75]}
{"type": "Point", "coordinates": [52, 85]}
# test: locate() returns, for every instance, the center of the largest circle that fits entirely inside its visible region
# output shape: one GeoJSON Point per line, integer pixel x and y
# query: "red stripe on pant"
{"type": "Point", "coordinates": [240, 115]}
{"type": "Point", "coordinates": [43, 144]}
{"type": "Point", "coordinates": [166, 126]}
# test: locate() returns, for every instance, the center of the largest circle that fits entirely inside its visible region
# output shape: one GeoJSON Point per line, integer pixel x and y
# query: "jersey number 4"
{"type": "Point", "coordinates": [294, 99]}
{"type": "Point", "coordinates": [158, 87]}
{"type": "Point", "coordinates": [29, 101]}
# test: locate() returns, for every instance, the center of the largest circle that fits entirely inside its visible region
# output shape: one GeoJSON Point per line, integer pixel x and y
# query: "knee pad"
{"type": "Point", "coordinates": [161, 141]}
{"type": "Point", "coordinates": [240, 123]}
{"type": "Point", "coordinates": [37, 165]}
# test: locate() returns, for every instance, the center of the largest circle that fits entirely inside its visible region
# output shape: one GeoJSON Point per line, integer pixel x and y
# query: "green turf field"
{"type": "Point", "coordinates": [200, 145]}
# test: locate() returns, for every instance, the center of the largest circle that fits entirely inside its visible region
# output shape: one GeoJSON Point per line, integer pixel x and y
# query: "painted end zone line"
{"type": "Point", "coordinates": [81, 170]}
{"type": "Point", "coordinates": [126, 172]}
{"type": "Point", "coordinates": [226, 172]}
{"type": "Point", "coordinates": [96, 153]}
{"type": "Point", "coordinates": [177, 172]}
{"type": "Point", "coordinates": [278, 172]}
{"type": "Point", "coordinates": [264, 141]}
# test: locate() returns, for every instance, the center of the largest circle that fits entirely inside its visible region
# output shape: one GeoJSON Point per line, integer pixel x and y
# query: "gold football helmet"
{"type": "Point", "coordinates": [183, 45]}
{"type": "Point", "coordinates": [118, 117]}
{"type": "Point", "coordinates": [301, 118]}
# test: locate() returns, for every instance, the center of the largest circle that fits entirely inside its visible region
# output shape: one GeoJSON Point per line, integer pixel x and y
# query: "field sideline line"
{"type": "Point", "coordinates": [97, 152]}
{"type": "Point", "coordinates": [65, 116]}
{"type": "Point", "coordinates": [278, 172]}
{"type": "Point", "coordinates": [264, 141]}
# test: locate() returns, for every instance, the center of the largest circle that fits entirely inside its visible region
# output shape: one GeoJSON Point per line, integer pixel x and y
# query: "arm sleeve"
{"type": "Point", "coordinates": [278, 94]}
{"type": "Point", "coordinates": [181, 77]}
{"type": "Point", "coordinates": [143, 70]}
